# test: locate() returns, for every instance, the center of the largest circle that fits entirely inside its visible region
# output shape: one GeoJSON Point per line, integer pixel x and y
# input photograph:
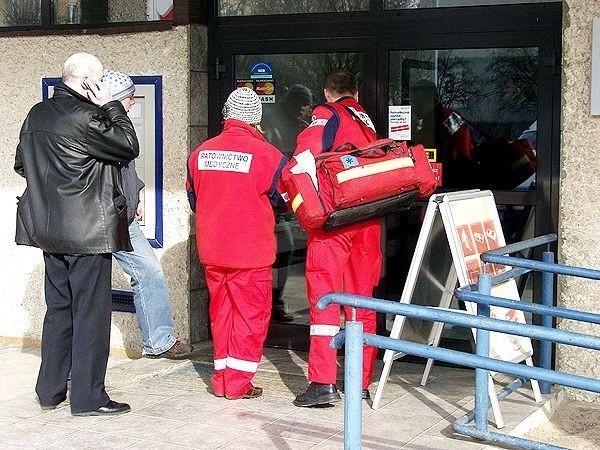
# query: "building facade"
{"type": "Point", "coordinates": [198, 51]}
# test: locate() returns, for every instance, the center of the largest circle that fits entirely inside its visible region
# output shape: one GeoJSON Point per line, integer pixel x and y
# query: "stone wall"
{"type": "Point", "coordinates": [26, 60]}
{"type": "Point", "coordinates": [580, 185]}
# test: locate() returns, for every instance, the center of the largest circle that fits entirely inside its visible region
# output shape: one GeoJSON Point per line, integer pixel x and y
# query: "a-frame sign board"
{"type": "Point", "coordinates": [456, 229]}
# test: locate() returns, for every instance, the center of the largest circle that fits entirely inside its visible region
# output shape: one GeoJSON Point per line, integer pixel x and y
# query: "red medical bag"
{"type": "Point", "coordinates": [350, 177]}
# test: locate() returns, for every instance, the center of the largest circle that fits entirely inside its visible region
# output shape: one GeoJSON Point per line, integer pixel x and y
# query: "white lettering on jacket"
{"type": "Point", "coordinates": [364, 117]}
{"type": "Point", "coordinates": [224, 160]}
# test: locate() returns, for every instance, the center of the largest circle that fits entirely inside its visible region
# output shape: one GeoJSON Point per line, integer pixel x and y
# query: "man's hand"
{"type": "Point", "coordinates": [139, 212]}
{"type": "Point", "coordinates": [96, 91]}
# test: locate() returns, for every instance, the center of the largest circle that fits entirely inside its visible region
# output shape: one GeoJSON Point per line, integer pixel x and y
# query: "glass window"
{"type": "Point", "coordinates": [475, 109]}
{"type": "Point", "coordinates": [408, 4]}
{"type": "Point", "coordinates": [110, 11]}
{"type": "Point", "coordinates": [14, 13]}
{"type": "Point", "coordinates": [267, 7]}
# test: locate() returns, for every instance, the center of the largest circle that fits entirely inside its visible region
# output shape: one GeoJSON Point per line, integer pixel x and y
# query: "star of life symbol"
{"type": "Point", "coordinates": [349, 161]}
{"type": "Point", "coordinates": [465, 240]}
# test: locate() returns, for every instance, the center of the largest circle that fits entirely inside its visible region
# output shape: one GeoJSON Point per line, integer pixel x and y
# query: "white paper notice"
{"type": "Point", "coordinates": [399, 123]}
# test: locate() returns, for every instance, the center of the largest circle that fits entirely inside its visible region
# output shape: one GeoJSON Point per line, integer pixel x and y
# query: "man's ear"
{"type": "Point", "coordinates": [355, 96]}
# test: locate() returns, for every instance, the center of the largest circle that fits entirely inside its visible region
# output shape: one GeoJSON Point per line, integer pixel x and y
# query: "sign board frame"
{"type": "Point", "coordinates": [454, 227]}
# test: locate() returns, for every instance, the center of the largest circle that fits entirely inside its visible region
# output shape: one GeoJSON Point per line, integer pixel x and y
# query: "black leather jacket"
{"type": "Point", "coordinates": [69, 153]}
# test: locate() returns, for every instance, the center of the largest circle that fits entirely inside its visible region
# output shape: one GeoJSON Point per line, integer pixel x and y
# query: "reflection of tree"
{"type": "Point", "coordinates": [456, 80]}
{"type": "Point", "coordinates": [402, 4]}
{"type": "Point", "coordinates": [22, 12]}
{"type": "Point", "coordinates": [252, 7]}
{"type": "Point", "coordinates": [513, 73]}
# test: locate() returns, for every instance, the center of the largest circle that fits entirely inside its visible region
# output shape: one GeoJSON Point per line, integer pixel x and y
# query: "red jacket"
{"type": "Point", "coordinates": [233, 187]}
{"type": "Point", "coordinates": [333, 125]}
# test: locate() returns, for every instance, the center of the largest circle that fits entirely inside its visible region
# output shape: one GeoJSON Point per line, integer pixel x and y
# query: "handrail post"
{"type": "Point", "coordinates": [482, 348]}
{"type": "Point", "coordinates": [547, 289]}
{"type": "Point", "coordinates": [353, 353]}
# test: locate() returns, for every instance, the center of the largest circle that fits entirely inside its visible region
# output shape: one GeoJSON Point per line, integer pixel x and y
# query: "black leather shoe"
{"type": "Point", "coordinates": [366, 395]}
{"type": "Point", "coordinates": [112, 408]}
{"type": "Point", "coordinates": [317, 394]}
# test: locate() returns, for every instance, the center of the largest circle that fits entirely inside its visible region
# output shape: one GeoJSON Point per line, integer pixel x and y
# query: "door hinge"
{"type": "Point", "coordinates": [219, 68]}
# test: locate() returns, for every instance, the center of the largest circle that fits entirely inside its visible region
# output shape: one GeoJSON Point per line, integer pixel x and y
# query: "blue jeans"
{"type": "Point", "coordinates": [150, 293]}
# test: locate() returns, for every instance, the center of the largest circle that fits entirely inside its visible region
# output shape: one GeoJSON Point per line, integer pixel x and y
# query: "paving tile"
{"type": "Point", "coordinates": [32, 434]}
{"type": "Point", "coordinates": [23, 407]}
{"type": "Point", "coordinates": [371, 439]}
{"type": "Point", "coordinates": [443, 443]}
{"type": "Point", "coordinates": [136, 426]}
{"type": "Point", "coordinates": [254, 441]}
{"type": "Point", "coordinates": [199, 436]}
{"type": "Point", "coordinates": [87, 439]}
{"type": "Point", "coordinates": [311, 430]}
{"type": "Point", "coordinates": [152, 445]}
{"type": "Point", "coordinates": [176, 408]}
{"type": "Point", "coordinates": [240, 418]}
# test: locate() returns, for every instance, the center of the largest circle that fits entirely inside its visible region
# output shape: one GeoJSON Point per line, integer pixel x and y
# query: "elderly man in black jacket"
{"type": "Point", "coordinates": [74, 210]}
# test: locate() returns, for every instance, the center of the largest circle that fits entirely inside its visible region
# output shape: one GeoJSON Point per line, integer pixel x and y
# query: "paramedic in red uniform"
{"type": "Point", "coordinates": [232, 186]}
{"type": "Point", "coordinates": [348, 259]}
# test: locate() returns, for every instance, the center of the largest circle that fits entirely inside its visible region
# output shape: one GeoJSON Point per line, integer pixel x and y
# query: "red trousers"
{"type": "Point", "coordinates": [240, 309]}
{"type": "Point", "coordinates": [348, 260]}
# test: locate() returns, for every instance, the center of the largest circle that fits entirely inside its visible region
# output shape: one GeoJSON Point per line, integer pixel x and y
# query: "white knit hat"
{"type": "Point", "coordinates": [243, 104]}
{"type": "Point", "coordinates": [119, 85]}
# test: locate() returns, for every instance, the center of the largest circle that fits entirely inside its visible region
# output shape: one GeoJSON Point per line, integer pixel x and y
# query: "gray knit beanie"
{"type": "Point", "coordinates": [119, 85]}
{"type": "Point", "coordinates": [243, 104]}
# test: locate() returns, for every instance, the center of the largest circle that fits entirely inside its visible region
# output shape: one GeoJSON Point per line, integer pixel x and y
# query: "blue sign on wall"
{"type": "Point", "coordinates": [261, 70]}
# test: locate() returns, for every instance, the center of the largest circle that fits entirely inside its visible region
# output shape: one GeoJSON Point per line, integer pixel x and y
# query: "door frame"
{"type": "Point", "coordinates": [377, 32]}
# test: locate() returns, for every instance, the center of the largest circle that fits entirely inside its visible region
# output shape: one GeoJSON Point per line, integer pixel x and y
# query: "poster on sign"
{"type": "Point", "coordinates": [474, 226]}
{"type": "Point", "coordinates": [399, 123]}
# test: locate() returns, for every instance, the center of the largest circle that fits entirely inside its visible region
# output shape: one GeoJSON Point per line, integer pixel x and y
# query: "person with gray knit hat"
{"type": "Point", "coordinates": [243, 104]}
{"type": "Point", "coordinates": [119, 85]}
{"type": "Point", "coordinates": [234, 188]}
{"type": "Point", "coordinates": [150, 291]}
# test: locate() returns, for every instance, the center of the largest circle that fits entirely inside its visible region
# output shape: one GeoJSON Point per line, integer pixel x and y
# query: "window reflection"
{"type": "Point", "coordinates": [476, 110]}
{"type": "Point", "coordinates": [406, 4]}
{"type": "Point", "coordinates": [107, 11]}
{"type": "Point", "coordinates": [266, 7]}
{"type": "Point", "coordinates": [20, 13]}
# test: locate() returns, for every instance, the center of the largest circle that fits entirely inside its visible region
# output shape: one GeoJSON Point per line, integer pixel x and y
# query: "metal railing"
{"type": "Point", "coordinates": [354, 339]}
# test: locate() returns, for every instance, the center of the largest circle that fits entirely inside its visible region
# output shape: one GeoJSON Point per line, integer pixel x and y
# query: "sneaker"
{"type": "Point", "coordinates": [179, 350]}
{"type": "Point", "coordinates": [317, 394]}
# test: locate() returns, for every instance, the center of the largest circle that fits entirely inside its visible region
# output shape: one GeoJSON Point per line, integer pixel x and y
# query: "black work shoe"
{"type": "Point", "coordinates": [317, 394]}
{"type": "Point", "coordinates": [366, 395]}
{"type": "Point", "coordinates": [252, 392]}
{"type": "Point", "coordinates": [279, 315]}
{"type": "Point", "coordinates": [112, 408]}
{"type": "Point", "coordinates": [179, 350]}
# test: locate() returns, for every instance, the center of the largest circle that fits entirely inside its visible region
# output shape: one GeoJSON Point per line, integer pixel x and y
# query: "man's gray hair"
{"type": "Point", "coordinates": [81, 65]}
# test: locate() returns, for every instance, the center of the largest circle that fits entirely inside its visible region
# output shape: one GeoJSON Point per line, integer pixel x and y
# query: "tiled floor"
{"type": "Point", "coordinates": [171, 408]}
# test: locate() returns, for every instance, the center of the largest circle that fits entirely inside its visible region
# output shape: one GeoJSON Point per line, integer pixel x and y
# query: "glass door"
{"type": "Point", "coordinates": [289, 82]}
{"type": "Point", "coordinates": [482, 87]}
{"type": "Point", "coordinates": [477, 109]}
